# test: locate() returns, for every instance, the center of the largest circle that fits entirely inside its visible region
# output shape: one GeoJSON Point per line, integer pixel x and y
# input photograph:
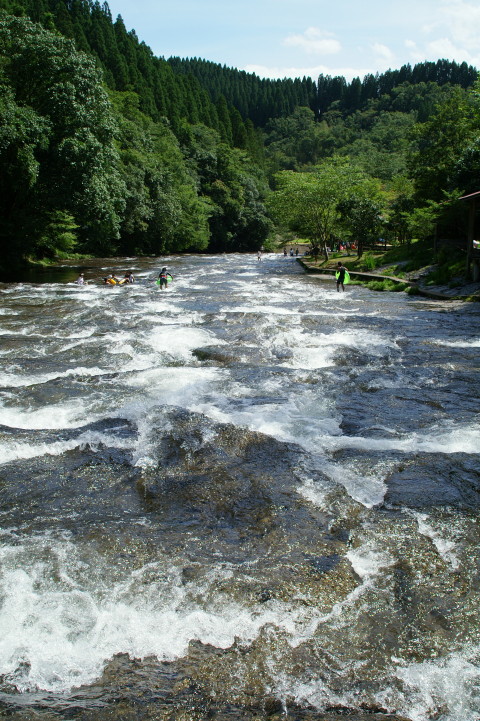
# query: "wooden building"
{"type": "Point", "coordinates": [473, 235]}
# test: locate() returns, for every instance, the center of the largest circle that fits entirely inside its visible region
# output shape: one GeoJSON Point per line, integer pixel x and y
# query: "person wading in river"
{"type": "Point", "coordinates": [340, 276]}
{"type": "Point", "coordinates": [163, 278]}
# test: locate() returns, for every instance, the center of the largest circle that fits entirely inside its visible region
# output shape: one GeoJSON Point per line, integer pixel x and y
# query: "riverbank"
{"type": "Point", "coordinates": [415, 283]}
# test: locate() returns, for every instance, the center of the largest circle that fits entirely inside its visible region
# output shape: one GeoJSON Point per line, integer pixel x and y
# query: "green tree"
{"type": "Point", "coordinates": [311, 202]}
{"type": "Point", "coordinates": [362, 219]}
{"type": "Point", "coordinates": [400, 204]}
{"type": "Point", "coordinates": [65, 145]}
{"type": "Point", "coordinates": [440, 143]}
{"type": "Point", "coordinates": [24, 135]}
{"type": "Point", "coordinates": [58, 236]}
{"type": "Point", "coordinates": [234, 187]}
{"type": "Point", "coordinates": [421, 221]}
{"type": "Point", "coordinates": [163, 211]}
{"type": "Point", "coordinates": [294, 142]}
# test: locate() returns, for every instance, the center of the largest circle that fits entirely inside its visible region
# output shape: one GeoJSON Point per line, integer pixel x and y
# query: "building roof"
{"type": "Point", "coordinates": [470, 196]}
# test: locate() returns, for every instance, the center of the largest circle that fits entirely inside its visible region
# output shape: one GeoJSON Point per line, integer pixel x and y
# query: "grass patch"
{"type": "Point", "coordinates": [59, 257]}
{"type": "Point", "coordinates": [370, 261]}
{"type": "Point", "coordinates": [447, 272]}
{"type": "Point", "coordinates": [387, 285]}
{"type": "Point", "coordinates": [399, 261]}
{"type": "Point", "coordinates": [412, 256]}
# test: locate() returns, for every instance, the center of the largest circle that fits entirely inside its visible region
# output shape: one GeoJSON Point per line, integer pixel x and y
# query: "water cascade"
{"type": "Point", "coordinates": [246, 496]}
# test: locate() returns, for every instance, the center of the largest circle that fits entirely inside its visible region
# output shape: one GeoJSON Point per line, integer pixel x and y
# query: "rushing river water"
{"type": "Point", "coordinates": [246, 496]}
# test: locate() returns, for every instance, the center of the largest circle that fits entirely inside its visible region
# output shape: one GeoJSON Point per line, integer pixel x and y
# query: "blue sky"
{"type": "Point", "coordinates": [293, 38]}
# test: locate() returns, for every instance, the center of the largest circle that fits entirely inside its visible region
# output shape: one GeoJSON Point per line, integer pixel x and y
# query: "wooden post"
{"type": "Point", "coordinates": [475, 271]}
{"type": "Point", "coordinates": [472, 209]}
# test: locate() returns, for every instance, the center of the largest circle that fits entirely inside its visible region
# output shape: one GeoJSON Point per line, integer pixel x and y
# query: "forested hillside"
{"type": "Point", "coordinates": [106, 149]}
{"type": "Point", "coordinates": [263, 99]}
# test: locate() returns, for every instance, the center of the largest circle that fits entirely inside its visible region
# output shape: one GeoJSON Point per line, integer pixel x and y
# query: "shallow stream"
{"type": "Point", "coordinates": [247, 496]}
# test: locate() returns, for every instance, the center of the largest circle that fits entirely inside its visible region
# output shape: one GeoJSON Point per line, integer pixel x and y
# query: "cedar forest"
{"type": "Point", "coordinates": [108, 150]}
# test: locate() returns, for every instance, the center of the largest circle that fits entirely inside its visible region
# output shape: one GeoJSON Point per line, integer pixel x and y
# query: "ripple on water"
{"type": "Point", "coordinates": [243, 497]}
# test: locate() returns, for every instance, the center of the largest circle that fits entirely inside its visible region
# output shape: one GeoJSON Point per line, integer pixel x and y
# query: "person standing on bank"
{"type": "Point", "coordinates": [340, 276]}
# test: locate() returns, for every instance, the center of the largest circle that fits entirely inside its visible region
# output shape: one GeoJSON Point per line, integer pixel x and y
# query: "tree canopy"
{"type": "Point", "coordinates": [105, 148]}
{"type": "Point", "coordinates": [332, 197]}
{"type": "Point", "coordinates": [57, 147]}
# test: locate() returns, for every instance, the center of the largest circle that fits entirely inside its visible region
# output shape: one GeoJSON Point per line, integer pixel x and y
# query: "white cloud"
{"type": "Point", "coordinates": [416, 55]}
{"type": "Point", "coordinates": [442, 48]}
{"type": "Point", "coordinates": [463, 20]}
{"type": "Point", "coordinates": [445, 48]}
{"type": "Point", "coordinates": [451, 32]}
{"type": "Point", "coordinates": [314, 42]}
{"type": "Point", "coordinates": [382, 51]}
{"type": "Point", "coordinates": [458, 25]}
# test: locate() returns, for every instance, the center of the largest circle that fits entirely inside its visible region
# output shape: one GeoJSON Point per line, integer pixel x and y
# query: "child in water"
{"type": "Point", "coordinates": [340, 275]}
{"type": "Point", "coordinates": [163, 277]}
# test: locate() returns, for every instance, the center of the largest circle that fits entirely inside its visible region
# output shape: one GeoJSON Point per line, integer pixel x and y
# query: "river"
{"type": "Point", "coordinates": [247, 496]}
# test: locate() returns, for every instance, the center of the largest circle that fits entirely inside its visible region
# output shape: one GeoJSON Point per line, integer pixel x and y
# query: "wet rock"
{"type": "Point", "coordinates": [434, 480]}
{"type": "Point", "coordinates": [217, 354]}
{"type": "Point", "coordinates": [324, 564]}
{"type": "Point", "coordinates": [272, 706]}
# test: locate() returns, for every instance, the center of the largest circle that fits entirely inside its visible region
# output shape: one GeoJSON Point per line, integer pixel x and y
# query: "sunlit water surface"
{"type": "Point", "coordinates": [248, 491]}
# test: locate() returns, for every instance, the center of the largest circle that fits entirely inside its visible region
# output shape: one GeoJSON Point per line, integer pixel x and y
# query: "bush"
{"type": "Point", "coordinates": [387, 285]}
{"type": "Point", "coordinates": [369, 262]}
{"type": "Point", "coordinates": [418, 254]}
{"type": "Point", "coordinates": [443, 274]}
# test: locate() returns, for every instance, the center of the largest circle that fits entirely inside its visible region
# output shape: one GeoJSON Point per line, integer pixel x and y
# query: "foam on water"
{"type": "Point", "coordinates": [449, 438]}
{"type": "Point", "coordinates": [474, 343]}
{"type": "Point", "coordinates": [74, 335]}
{"type": "Point", "coordinates": [367, 486]}
{"type": "Point", "coordinates": [14, 451]}
{"type": "Point", "coordinates": [292, 417]}
{"type": "Point", "coordinates": [66, 611]}
{"type": "Point", "coordinates": [260, 310]}
{"type": "Point", "coordinates": [319, 351]}
{"type": "Point", "coordinates": [60, 622]}
{"type": "Point", "coordinates": [62, 619]}
{"type": "Point", "coordinates": [450, 683]}
{"type": "Point", "coordinates": [179, 342]}
{"type": "Point", "coordinates": [368, 561]}
{"type": "Point", "coordinates": [444, 546]}
{"type": "Point", "coordinates": [70, 414]}
{"type": "Point", "coordinates": [445, 689]}
{"type": "Point", "coordinates": [23, 331]}
{"type": "Point", "coordinates": [13, 380]}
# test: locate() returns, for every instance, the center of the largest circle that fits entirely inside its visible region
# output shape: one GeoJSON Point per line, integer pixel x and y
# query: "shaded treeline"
{"type": "Point", "coordinates": [260, 100]}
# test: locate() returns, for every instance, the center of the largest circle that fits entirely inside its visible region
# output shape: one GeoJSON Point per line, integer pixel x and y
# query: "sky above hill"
{"type": "Point", "coordinates": [293, 38]}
